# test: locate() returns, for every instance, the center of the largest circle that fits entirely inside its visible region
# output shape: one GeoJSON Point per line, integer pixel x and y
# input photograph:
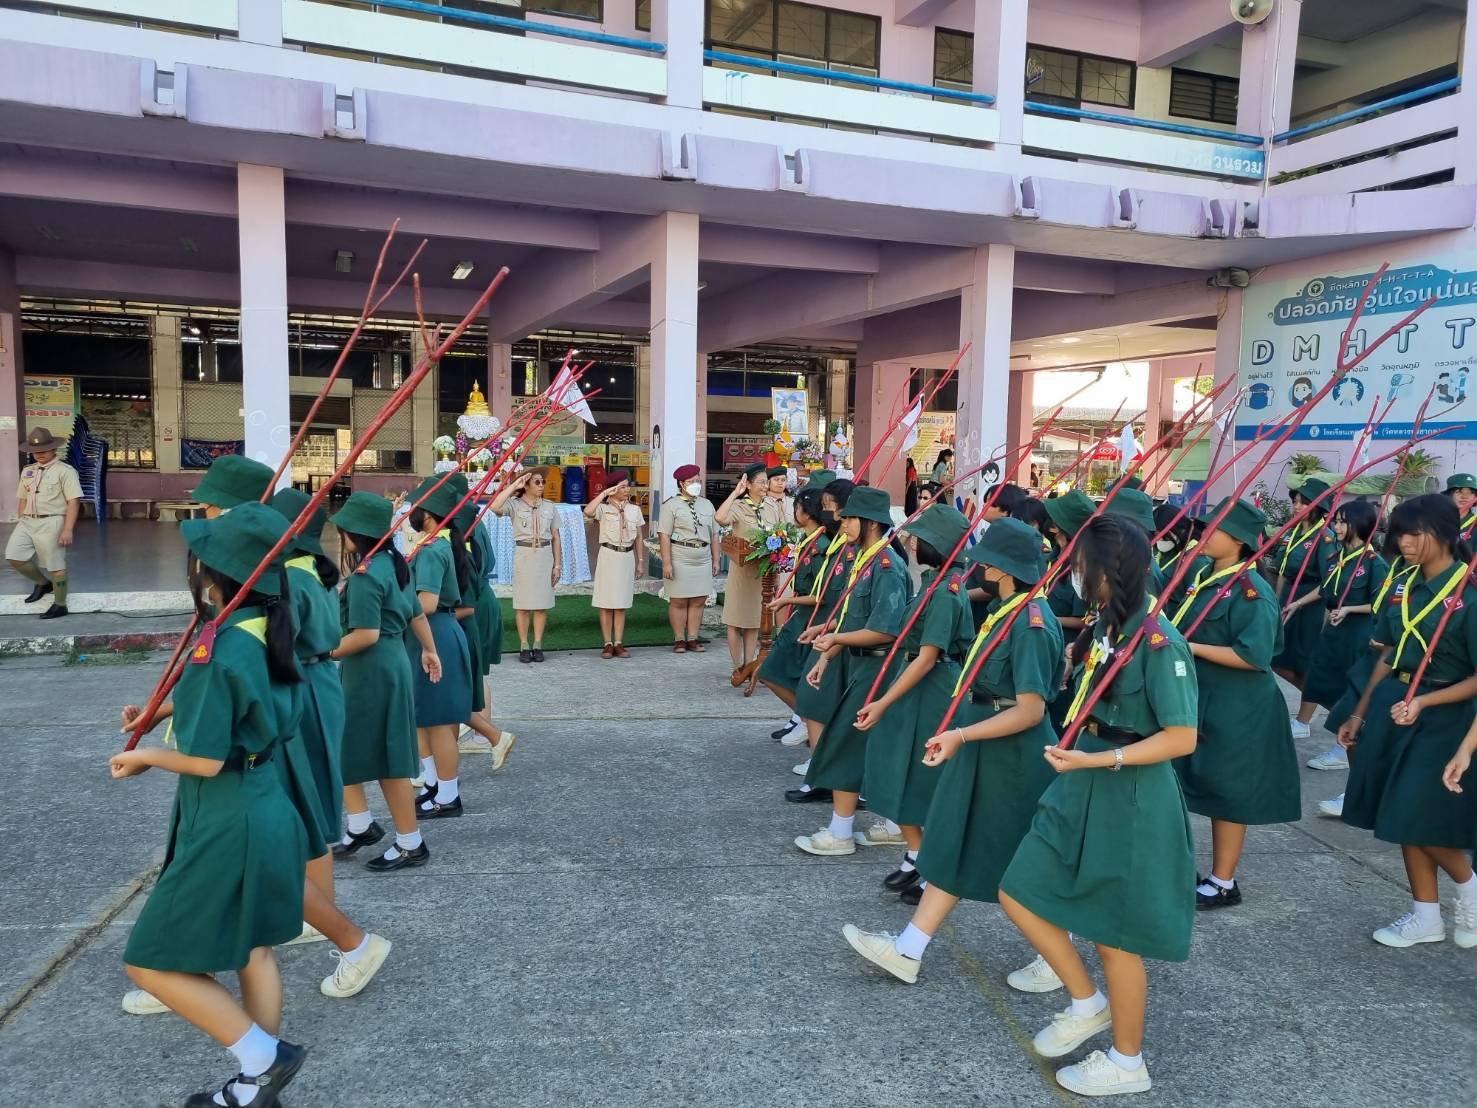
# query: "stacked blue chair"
{"type": "Point", "coordinates": [88, 455]}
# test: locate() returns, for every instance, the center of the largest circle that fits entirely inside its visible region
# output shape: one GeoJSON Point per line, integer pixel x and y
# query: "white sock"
{"type": "Point", "coordinates": [1466, 891]}
{"type": "Point", "coordinates": [841, 825]}
{"type": "Point", "coordinates": [1125, 1061]}
{"type": "Point", "coordinates": [1218, 883]}
{"type": "Point", "coordinates": [359, 822]}
{"type": "Point", "coordinates": [428, 771]}
{"type": "Point", "coordinates": [359, 951]}
{"type": "Point", "coordinates": [446, 791]}
{"type": "Point", "coordinates": [909, 858]}
{"type": "Point", "coordinates": [404, 844]}
{"type": "Point", "coordinates": [892, 827]}
{"type": "Point", "coordinates": [805, 788]}
{"type": "Point", "coordinates": [1428, 914]}
{"type": "Point", "coordinates": [912, 942]}
{"type": "Point", "coordinates": [255, 1052]}
{"type": "Point", "coordinates": [1089, 1006]}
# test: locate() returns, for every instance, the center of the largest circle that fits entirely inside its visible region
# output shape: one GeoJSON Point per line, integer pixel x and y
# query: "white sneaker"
{"type": "Point", "coordinates": [472, 743]}
{"type": "Point", "coordinates": [880, 949]}
{"type": "Point", "coordinates": [1334, 808]}
{"type": "Point", "coordinates": [802, 769]}
{"type": "Point", "coordinates": [879, 834]}
{"type": "Point", "coordinates": [137, 1002]}
{"type": "Point", "coordinates": [1407, 931]}
{"type": "Point", "coordinates": [501, 749]}
{"type": "Point", "coordinates": [310, 934]}
{"type": "Point", "coordinates": [1464, 923]}
{"type": "Point", "coordinates": [349, 978]}
{"type": "Point", "coordinates": [1066, 1032]}
{"type": "Point", "coordinates": [1099, 1075]}
{"type": "Point", "coordinates": [417, 782]}
{"type": "Point", "coordinates": [1335, 757]}
{"type": "Point", "coordinates": [1300, 730]}
{"type": "Point", "coordinates": [798, 735]}
{"type": "Point", "coordinates": [1038, 977]}
{"type": "Point", "coordinates": [825, 844]}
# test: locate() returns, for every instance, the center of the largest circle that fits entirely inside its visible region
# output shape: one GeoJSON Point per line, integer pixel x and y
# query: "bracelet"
{"type": "Point", "coordinates": [1359, 718]}
{"type": "Point", "coordinates": [1117, 760]}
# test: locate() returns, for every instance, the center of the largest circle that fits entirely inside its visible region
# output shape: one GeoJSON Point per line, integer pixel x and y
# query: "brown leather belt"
{"type": "Point", "coordinates": [534, 545]}
{"type": "Point", "coordinates": [697, 543]}
{"type": "Point", "coordinates": [617, 549]}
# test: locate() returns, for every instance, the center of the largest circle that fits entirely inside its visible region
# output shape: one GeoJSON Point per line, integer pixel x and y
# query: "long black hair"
{"type": "Point", "coordinates": [1432, 514]}
{"type": "Point", "coordinates": [1180, 533]}
{"type": "Point", "coordinates": [839, 491]}
{"type": "Point", "coordinates": [424, 522]}
{"type": "Point", "coordinates": [1032, 511]}
{"type": "Point", "coordinates": [364, 543]}
{"type": "Point", "coordinates": [809, 502]}
{"type": "Point", "coordinates": [1011, 497]}
{"type": "Point", "coordinates": [281, 633]}
{"type": "Point", "coordinates": [326, 570]}
{"type": "Point", "coordinates": [1359, 516]}
{"type": "Point", "coordinates": [1114, 552]}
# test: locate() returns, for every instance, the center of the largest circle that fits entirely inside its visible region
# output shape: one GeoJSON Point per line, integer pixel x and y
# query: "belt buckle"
{"type": "Point", "coordinates": [1092, 726]}
{"type": "Point", "coordinates": [1403, 678]}
{"type": "Point", "coordinates": [251, 761]}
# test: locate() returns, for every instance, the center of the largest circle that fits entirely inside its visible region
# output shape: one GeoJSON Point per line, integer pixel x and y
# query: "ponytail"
{"type": "Point", "coordinates": [281, 629]}
{"type": "Point", "coordinates": [361, 543]}
{"type": "Point", "coordinates": [459, 558]}
{"type": "Point", "coordinates": [326, 570]}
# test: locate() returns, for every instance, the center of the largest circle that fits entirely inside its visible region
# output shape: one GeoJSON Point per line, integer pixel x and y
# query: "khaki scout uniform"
{"type": "Point", "coordinates": [44, 493]}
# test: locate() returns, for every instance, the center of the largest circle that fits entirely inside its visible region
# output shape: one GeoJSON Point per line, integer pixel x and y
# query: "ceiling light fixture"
{"type": "Point", "coordinates": [461, 271]}
{"type": "Point", "coordinates": [189, 245]}
{"type": "Point", "coordinates": [343, 261]}
{"type": "Point", "coordinates": [1070, 339]}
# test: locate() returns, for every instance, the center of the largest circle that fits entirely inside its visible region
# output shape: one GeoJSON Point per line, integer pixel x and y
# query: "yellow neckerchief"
{"type": "Point", "coordinates": [1468, 524]}
{"type": "Point", "coordinates": [856, 572]}
{"type": "Point", "coordinates": [1199, 584]}
{"type": "Point", "coordinates": [1390, 579]}
{"type": "Point", "coordinates": [306, 563]}
{"type": "Point", "coordinates": [1336, 574]}
{"type": "Point", "coordinates": [1412, 626]}
{"type": "Point", "coordinates": [838, 544]}
{"type": "Point", "coordinates": [256, 627]}
{"type": "Point", "coordinates": [1178, 554]}
{"type": "Point", "coordinates": [1298, 536]}
{"type": "Point", "coordinates": [1099, 653]}
{"type": "Point", "coordinates": [991, 622]}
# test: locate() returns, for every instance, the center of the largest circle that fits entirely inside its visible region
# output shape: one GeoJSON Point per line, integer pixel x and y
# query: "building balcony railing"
{"type": "Point", "coordinates": [1126, 139]}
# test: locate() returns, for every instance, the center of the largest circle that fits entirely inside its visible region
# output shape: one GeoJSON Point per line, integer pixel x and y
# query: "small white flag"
{"type": "Point", "coordinates": [566, 393]}
{"type": "Point", "coordinates": [1128, 448]}
{"type": "Point", "coordinates": [910, 421]}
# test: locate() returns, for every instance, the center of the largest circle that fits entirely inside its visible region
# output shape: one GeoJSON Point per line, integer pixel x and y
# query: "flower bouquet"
{"type": "Point", "coordinates": [772, 548]}
{"type": "Point", "coordinates": [445, 448]}
{"type": "Point", "coordinates": [807, 455]}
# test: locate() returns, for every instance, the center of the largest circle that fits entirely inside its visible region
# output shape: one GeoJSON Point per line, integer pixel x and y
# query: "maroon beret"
{"type": "Point", "coordinates": [685, 472]}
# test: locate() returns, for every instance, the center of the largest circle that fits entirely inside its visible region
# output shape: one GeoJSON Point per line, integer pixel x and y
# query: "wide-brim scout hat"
{"type": "Point", "coordinates": [364, 513]}
{"type": "Point", "coordinates": [1244, 522]}
{"type": "Point", "coordinates": [1134, 482]}
{"type": "Point", "coordinates": [235, 543]}
{"type": "Point", "coordinates": [869, 503]}
{"type": "Point", "coordinates": [438, 503]}
{"type": "Point", "coordinates": [820, 478]}
{"type": "Point", "coordinates": [1133, 505]}
{"type": "Point", "coordinates": [1461, 481]}
{"type": "Point", "coordinates": [941, 527]}
{"type": "Point", "coordinates": [1011, 546]}
{"type": "Point", "coordinates": [1070, 510]}
{"type": "Point", "coordinates": [465, 516]}
{"type": "Point", "coordinates": [457, 483]}
{"type": "Point", "coordinates": [289, 503]}
{"type": "Point", "coordinates": [1312, 488]}
{"type": "Point", "coordinates": [232, 480]}
{"type": "Point", "coordinates": [40, 440]}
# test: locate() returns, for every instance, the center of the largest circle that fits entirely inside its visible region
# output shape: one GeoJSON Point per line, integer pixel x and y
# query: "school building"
{"type": "Point", "coordinates": [712, 199]}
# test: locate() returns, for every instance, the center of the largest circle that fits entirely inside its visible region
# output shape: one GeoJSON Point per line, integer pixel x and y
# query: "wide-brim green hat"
{"type": "Point", "coordinates": [1134, 482]}
{"type": "Point", "coordinates": [1131, 504]}
{"type": "Point", "coordinates": [1245, 522]}
{"type": "Point", "coordinates": [871, 503]}
{"type": "Point", "coordinates": [820, 478]}
{"type": "Point", "coordinates": [364, 513]}
{"type": "Point", "coordinates": [1461, 481]}
{"type": "Point", "coordinates": [234, 544]}
{"type": "Point", "coordinates": [941, 527]}
{"type": "Point", "coordinates": [1311, 488]}
{"type": "Point", "coordinates": [466, 516]}
{"type": "Point", "coordinates": [231, 480]}
{"type": "Point", "coordinates": [290, 503]}
{"type": "Point", "coordinates": [438, 503]}
{"type": "Point", "coordinates": [457, 483]}
{"type": "Point", "coordinates": [1070, 510]}
{"type": "Point", "coordinates": [1011, 546]}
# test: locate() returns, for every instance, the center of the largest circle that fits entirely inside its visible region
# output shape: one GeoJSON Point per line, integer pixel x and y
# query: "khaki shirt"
{"type": "Point", "coordinates": [46, 489]}
{"type": "Point", "coordinates": [619, 523]}
{"type": "Point", "coordinates": [532, 524]}
{"type": "Point", "coordinates": [687, 520]}
{"type": "Point", "coordinates": [775, 510]}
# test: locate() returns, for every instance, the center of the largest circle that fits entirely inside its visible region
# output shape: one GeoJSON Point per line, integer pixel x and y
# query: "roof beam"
{"type": "Point", "coordinates": [1174, 29]}
{"type": "Point", "coordinates": [761, 246]}
{"type": "Point", "coordinates": [172, 189]}
{"type": "Point", "coordinates": [1040, 315]}
{"type": "Point", "coordinates": [918, 13]}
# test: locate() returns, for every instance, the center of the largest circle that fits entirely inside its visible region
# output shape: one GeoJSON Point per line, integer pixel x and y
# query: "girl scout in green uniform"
{"type": "Point", "coordinates": [993, 773]}
{"type": "Point", "coordinates": [871, 617]}
{"type": "Point", "coordinates": [487, 628]}
{"type": "Point", "coordinates": [1068, 513]}
{"type": "Point", "coordinates": [1109, 855]}
{"type": "Point", "coordinates": [378, 675]}
{"type": "Point", "coordinates": [1395, 776]}
{"type": "Point", "coordinates": [1311, 542]}
{"type": "Point", "coordinates": [1177, 541]}
{"type": "Point", "coordinates": [897, 783]}
{"type": "Point", "coordinates": [1244, 768]}
{"type": "Point", "coordinates": [232, 883]}
{"type": "Point", "coordinates": [784, 667]}
{"type": "Point", "coordinates": [1462, 489]}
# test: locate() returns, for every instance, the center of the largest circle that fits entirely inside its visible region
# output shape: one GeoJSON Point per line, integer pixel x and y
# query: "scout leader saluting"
{"type": "Point", "coordinates": [788, 659]}
{"type": "Point", "coordinates": [1462, 488]}
{"type": "Point", "coordinates": [537, 555]}
{"type": "Point", "coordinates": [993, 773]}
{"type": "Point", "coordinates": [378, 672]}
{"type": "Point", "coordinates": [689, 542]}
{"type": "Point", "coordinates": [1244, 768]}
{"type": "Point", "coordinates": [622, 556]}
{"type": "Point", "coordinates": [1311, 542]}
{"type": "Point", "coordinates": [871, 618]}
{"type": "Point", "coordinates": [232, 883]}
{"type": "Point", "coordinates": [747, 508]}
{"type": "Point", "coordinates": [1109, 855]}
{"type": "Point", "coordinates": [485, 634]}
{"type": "Point", "coordinates": [1395, 775]}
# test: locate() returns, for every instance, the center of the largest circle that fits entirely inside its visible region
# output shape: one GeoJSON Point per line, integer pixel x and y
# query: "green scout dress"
{"type": "Point", "coordinates": [1109, 855]}
{"type": "Point", "coordinates": [1395, 785]}
{"type": "Point", "coordinates": [448, 701]}
{"type": "Point", "coordinates": [1339, 647]}
{"type": "Point", "coordinates": [1244, 767]}
{"type": "Point", "coordinates": [787, 659]}
{"type": "Point", "coordinates": [988, 792]}
{"type": "Point", "coordinates": [877, 603]}
{"type": "Point", "coordinates": [1313, 543]}
{"type": "Point", "coordinates": [379, 698]}
{"type": "Point", "coordinates": [233, 870]}
{"type": "Point", "coordinates": [1063, 602]}
{"type": "Point", "coordinates": [820, 704]}
{"type": "Point", "coordinates": [896, 782]}
{"type": "Point", "coordinates": [472, 631]}
{"type": "Point", "coordinates": [489, 609]}
{"type": "Point", "coordinates": [1363, 665]}
{"type": "Point", "coordinates": [311, 767]}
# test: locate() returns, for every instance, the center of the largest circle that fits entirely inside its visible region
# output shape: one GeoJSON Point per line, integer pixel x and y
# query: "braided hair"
{"type": "Point", "coordinates": [1114, 554]}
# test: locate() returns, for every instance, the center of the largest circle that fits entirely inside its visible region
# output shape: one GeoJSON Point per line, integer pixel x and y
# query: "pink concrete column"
{"type": "Point", "coordinates": [877, 385]}
{"type": "Point", "coordinates": [264, 358]}
{"type": "Point", "coordinates": [1227, 361]}
{"type": "Point", "coordinates": [1000, 62]}
{"type": "Point", "coordinates": [1020, 416]}
{"type": "Point", "coordinates": [1268, 62]}
{"type": "Point", "coordinates": [500, 379]}
{"type": "Point", "coordinates": [1158, 410]}
{"type": "Point", "coordinates": [985, 308]}
{"type": "Point", "coordinates": [679, 24]}
{"type": "Point", "coordinates": [674, 352]}
{"type": "Point", "coordinates": [12, 387]}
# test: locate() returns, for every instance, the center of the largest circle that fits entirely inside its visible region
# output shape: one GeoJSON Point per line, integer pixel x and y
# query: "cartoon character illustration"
{"type": "Point", "coordinates": [1444, 391]}
{"type": "Point", "coordinates": [1400, 384]}
{"type": "Point", "coordinates": [1348, 392]}
{"type": "Point", "coordinates": [1302, 389]}
{"type": "Point", "coordinates": [1259, 396]}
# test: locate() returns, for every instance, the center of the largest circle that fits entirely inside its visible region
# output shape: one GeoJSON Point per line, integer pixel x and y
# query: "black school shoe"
{"type": "Point", "coordinates": [808, 796]}
{"type": "Point", "coordinates": [1221, 898]}
{"type": "Point", "coordinates": [56, 611]}
{"type": "Point", "coordinates": [897, 880]}
{"type": "Point", "coordinates": [426, 795]}
{"type": "Point", "coordinates": [538, 654]}
{"type": "Point", "coordinates": [368, 837]}
{"type": "Point", "coordinates": [279, 1074]}
{"type": "Point", "coordinates": [438, 810]}
{"type": "Point", "coordinates": [38, 592]}
{"type": "Point", "coordinates": [913, 894]}
{"type": "Point", "coordinates": [417, 857]}
{"type": "Point", "coordinates": [525, 656]}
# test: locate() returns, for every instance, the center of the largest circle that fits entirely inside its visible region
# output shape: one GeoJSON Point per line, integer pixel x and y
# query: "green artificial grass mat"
{"type": "Point", "coordinates": [574, 624]}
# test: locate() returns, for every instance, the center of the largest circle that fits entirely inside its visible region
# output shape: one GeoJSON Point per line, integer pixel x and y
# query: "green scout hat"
{"type": "Point", "coordinates": [1244, 522]}
{"type": "Point", "coordinates": [1134, 482]}
{"type": "Point", "coordinates": [457, 483]}
{"type": "Point", "coordinates": [1012, 546]}
{"type": "Point", "coordinates": [235, 543]}
{"type": "Point", "coordinates": [1070, 510]}
{"type": "Point", "coordinates": [231, 480]}
{"type": "Point", "coordinates": [290, 503]}
{"type": "Point", "coordinates": [438, 503]}
{"type": "Point", "coordinates": [364, 513]}
{"type": "Point", "coordinates": [465, 516]}
{"type": "Point", "coordinates": [941, 527]}
{"type": "Point", "coordinates": [867, 502]}
{"type": "Point", "coordinates": [1461, 481]}
{"type": "Point", "coordinates": [1134, 506]}
{"type": "Point", "coordinates": [1311, 488]}
{"type": "Point", "coordinates": [776, 471]}
{"type": "Point", "coordinates": [820, 478]}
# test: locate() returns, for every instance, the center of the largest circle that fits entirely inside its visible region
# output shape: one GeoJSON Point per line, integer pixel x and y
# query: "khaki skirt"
{"type": "Point", "coordinates": [692, 573]}
{"type": "Point", "coordinates": [743, 597]}
{"type": "Point", "coordinates": [615, 579]}
{"type": "Point", "coordinates": [533, 587]}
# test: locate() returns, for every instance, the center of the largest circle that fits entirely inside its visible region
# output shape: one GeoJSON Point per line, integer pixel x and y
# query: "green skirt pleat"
{"type": "Point", "coordinates": [788, 659]}
{"type": "Point", "coordinates": [839, 760]}
{"type": "Point", "coordinates": [448, 701]}
{"type": "Point", "coordinates": [490, 623]}
{"type": "Point", "coordinates": [820, 704]}
{"type": "Point", "coordinates": [472, 632]}
{"type": "Point", "coordinates": [321, 730]}
{"type": "Point", "coordinates": [896, 783]}
{"type": "Point", "coordinates": [1337, 650]}
{"type": "Point", "coordinates": [379, 713]}
{"type": "Point", "coordinates": [1299, 638]}
{"type": "Point", "coordinates": [1354, 681]}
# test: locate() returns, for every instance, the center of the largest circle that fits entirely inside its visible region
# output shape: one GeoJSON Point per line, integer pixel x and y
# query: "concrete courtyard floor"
{"type": "Point", "coordinates": [620, 919]}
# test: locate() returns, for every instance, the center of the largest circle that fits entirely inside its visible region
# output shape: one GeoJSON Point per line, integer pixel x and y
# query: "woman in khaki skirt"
{"type": "Point", "coordinates": [743, 596]}
{"type": "Point", "coordinates": [689, 540]}
{"type": "Point", "coordinates": [536, 556]}
{"type": "Point", "coordinates": [619, 564]}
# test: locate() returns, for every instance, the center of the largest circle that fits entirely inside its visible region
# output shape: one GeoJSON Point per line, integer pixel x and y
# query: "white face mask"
{"type": "Point", "coordinates": [1165, 545]}
{"type": "Point", "coordinates": [1077, 584]}
{"type": "Point", "coordinates": [692, 488]}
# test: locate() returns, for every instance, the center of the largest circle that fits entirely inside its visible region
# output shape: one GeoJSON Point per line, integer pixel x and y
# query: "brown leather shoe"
{"type": "Point", "coordinates": [696, 646]}
{"type": "Point", "coordinates": [621, 651]}
{"type": "Point", "coordinates": [608, 652]}
{"type": "Point", "coordinates": [679, 647]}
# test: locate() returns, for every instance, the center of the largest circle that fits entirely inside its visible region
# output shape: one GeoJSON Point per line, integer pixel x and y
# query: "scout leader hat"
{"type": "Point", "coordinates": [235, 543]}
{"type": "Point", "coordinates": [39, 440]}
{"type": "Point", "coordinates": [438, 503]}
{"type": "Point", "coordinates": [1244, 522]}
{"type": "Point", "coordinates": [820, 478]}
{"type": "Point", "coordinates": [941, 527]}
{"type": "Point", "coordinates": [1454, 482]}
{"type": "Point", "coordinates": [1070, 510]}
{"type": "Point", "coordinates": [755, 471]}
{"type": "Point", "coordinates": [231, 480]}
{"type": "Point", "coordinates": [364, 513]}
{"type": "Point", "coordinates": [869, 503]}
{"type": "Point", "coordinates": [616, 476]}
{"type": "Point", "coordinates": [289, 503]}
{"type": "Point", "coordinates": [1012, 546]}
{"type": "Point", "coordinates": [1134, 506]}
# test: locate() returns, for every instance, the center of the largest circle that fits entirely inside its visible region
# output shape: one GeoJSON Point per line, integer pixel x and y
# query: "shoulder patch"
{"type": "Point", "coordinates": [1455, 603]}
{"type": "Point", "coordinates": [204, 646]}
{"type": "Point", "coordinates": [1248, 590]}
{"type": "Point", "coordinates": [885, 561]}
{"type": "Point", "coordinates": [954, 585]}
{"type": "Point", "coordinates": [1037, 619]}
{"type": "Point", "coordinates": [1156, 636]}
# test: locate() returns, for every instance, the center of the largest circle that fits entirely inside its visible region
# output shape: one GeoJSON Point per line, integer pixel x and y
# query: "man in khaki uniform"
{"type": "Point", "coordinates": [50, 498]}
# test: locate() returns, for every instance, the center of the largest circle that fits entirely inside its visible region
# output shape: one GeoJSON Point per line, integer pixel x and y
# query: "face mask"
{"type": "Point", "coordinates": [692, 488]}
{"type": "Point", "coordinates": [1077, 584]}
{"type": "Point", "coordinates": [991, 588]}
{"type": "Point", "coordinates": [1165, 545]}
{"type": "Point", "coordinates": [828, 519]}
